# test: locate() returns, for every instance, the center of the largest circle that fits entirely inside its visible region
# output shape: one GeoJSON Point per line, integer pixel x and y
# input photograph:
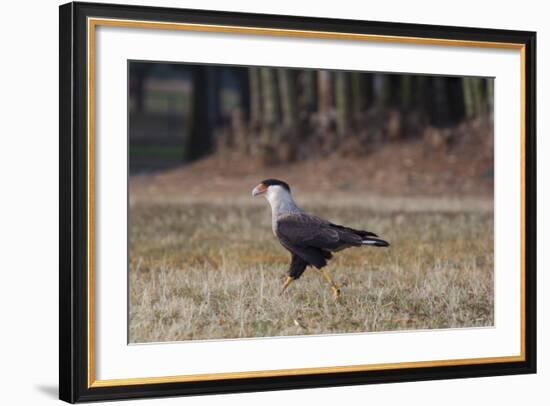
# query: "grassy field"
{"type": "Point", "coordinates": [201, 270]}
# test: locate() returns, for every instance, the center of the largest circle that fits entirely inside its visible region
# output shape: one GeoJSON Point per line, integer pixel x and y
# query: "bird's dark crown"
{"type": "Point", "coordinates": [274, 182]}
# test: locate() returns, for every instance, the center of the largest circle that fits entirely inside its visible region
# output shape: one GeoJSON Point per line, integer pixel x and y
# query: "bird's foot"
{"type": "Point", "coordinates": [336, 292]}
{"type": "Point", "coordinates": [288, 281]}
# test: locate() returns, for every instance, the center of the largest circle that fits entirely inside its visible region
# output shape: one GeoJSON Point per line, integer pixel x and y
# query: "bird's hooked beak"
{"type": "Point", "coordinates": [258, 190]}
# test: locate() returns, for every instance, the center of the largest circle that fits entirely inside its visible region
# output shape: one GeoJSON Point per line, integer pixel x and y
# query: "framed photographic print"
{"type": "Point", "coordinates": [258, 202]}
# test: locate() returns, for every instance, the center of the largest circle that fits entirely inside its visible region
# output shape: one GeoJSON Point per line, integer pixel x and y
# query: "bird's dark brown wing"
{"type": "Point", "coordinates": [305, 230]}
{"type": "Point", "coordinates": [312, 238]}
{"type": "Point", "coordinates": [361, 233]}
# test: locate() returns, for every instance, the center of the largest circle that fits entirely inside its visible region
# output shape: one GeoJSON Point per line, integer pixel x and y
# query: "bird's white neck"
{"type": "Point", "coordinates": [281, 201]}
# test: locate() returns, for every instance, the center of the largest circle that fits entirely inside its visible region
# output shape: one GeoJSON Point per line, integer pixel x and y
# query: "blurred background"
{"type": "Point", "coordinates": [412, 133]}
{"type": "Point", "coordinates": [409, 157]}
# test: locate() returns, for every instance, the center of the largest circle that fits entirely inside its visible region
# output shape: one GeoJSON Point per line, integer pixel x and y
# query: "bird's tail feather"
{"type": "Point", "coordinates": [377, 242]}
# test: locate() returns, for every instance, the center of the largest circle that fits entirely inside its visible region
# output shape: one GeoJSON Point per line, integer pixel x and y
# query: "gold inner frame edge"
{"type": "Point", "coordinates": [93, 22]}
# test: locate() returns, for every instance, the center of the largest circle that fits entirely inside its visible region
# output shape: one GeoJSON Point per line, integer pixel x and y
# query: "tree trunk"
{"type": "Point", "coordinates": [440, 97]}
{"type": "Point", "coordinates": [421, 84]}
{"type": "Point", "coordinates": [270, 98]}
{"type": "Point", "coordinates": [307, 95]}
{"type": "Point", "coordinates": [244, 92]}
{"type": "Point", "coordinates": [477, 89]}
{"type": "Point", "coordinates": [343, 99]}
{"type": "Point", "coordinates": [213, 90]}
{"type": "Point", "coordinates": [358, 93]}
{"type": "Point", "coordinates": [255, 96]}
{"type": "Point", "coordinates": [200, 137]}
{"type": "Point", "coordinates": [406, 92]}
{"type": "Point", "coordinates": [287, 90]}
{"type": "Point", "coordinates": [382, 91]}
{"type": "Point", "coordinates": [469, 102]}
{"type": "Point", "coordinates": [324, 85]}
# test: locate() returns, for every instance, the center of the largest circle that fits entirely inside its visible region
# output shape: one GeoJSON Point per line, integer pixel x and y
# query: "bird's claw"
{"type": "Point", "coordinates": [336, 292]}
{"type": "Point", "coordinates": [287, 283]}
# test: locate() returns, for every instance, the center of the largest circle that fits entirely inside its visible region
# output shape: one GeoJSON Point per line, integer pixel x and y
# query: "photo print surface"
{"type": "Point", "coordinates": [267, 201]}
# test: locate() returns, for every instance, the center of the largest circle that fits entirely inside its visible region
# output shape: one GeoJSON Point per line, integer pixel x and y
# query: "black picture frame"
{"type": "Point", "coordinates": [74, 199]}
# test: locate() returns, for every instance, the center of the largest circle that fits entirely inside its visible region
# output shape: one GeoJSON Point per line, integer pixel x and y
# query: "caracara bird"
{"type": "Point", "coordinates": [311, 240]}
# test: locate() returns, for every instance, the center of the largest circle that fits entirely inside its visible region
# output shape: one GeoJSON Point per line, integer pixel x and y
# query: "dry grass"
{"type": "Point", "coordinates": [209, 271]}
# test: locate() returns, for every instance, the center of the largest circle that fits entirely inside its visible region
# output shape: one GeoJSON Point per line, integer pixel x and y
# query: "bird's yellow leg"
{"type": "Point", "coordinates": [288, 281]}
{"type": "Point", "coordinates": [333, 286]}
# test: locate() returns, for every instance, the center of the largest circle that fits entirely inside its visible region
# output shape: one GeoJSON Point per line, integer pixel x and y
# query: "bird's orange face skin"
{"type": "Point", "coordinates": [258, 190]}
